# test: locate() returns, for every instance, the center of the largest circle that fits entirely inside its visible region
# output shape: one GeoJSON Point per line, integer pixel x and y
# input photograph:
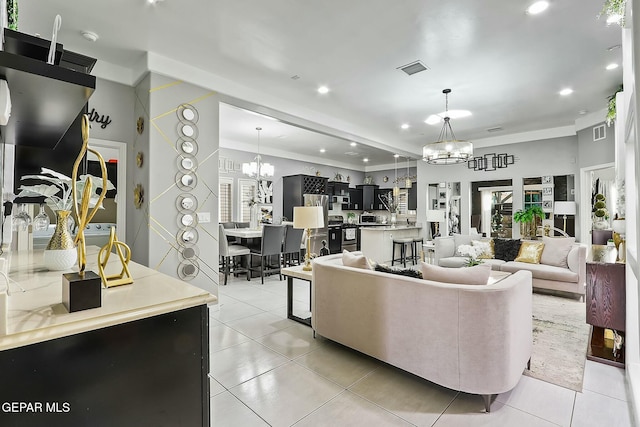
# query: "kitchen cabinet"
{"type": "Point", "coordinates": [378, 205]}
{"type": "Point", "coordinates": [295, 186]}
{"type": "Point", "coordinates": [355, 200]}
{"type": "Point", "coordinates": [368, 196]}
{"type": "Point", "coordinates": [412, 200]}
{"type": "Point", "coordinates": [336, 188]}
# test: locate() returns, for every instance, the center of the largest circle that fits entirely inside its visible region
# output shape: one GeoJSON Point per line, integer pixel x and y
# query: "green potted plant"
{"type": "Point", "coordinates": [527, 220]}
{"type": "Point", "coordinates": [600, 213]}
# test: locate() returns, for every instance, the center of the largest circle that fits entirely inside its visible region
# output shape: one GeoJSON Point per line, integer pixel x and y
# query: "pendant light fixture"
{"type": "Point", "coordinates": [257, 169]}
{"type": "Point", "coordinates": [407, 181]}
{"type": "Point", "coordinates": [396, 189]}
{"type": "Point", "coordinates": [447, 150]}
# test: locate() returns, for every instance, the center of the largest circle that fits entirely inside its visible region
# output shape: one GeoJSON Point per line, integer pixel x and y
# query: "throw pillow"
{"type": "Point", "coordinates": [357, 261]}
{"type": "Point", "coordinates": [476, 275]}
{"type": "Point", "coordinates": [530, 252]}
{"type": "Point", "coordinates": [487, 247]}
{"type": "Point", "coordinates": [556, 250]}
{"type": "Point", "coordinates": [464, 239]}
{"type": "Point", "coordinates": [399, 271]}
{"type": "Point", "coordinates": [506, 249]}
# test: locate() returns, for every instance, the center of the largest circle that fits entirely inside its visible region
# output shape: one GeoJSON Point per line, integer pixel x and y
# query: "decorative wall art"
{"type": "Point", "coordinates": [547, 179]}
{"type": "Point", "coordinates": [266, 214]}
{"type": "Point", "coordinates": [547, 205]}
{"type": "Point", "coordinates": [140, 125]}
{"type": "Point", "coordinates": [265, 192]}
{"type": "Point", "coordinates": [491, 162]}
{"type": "Point", "coordinates": [547, 191]}
{"type": "Point", "coordinates": [187, 180]}
{"type": "Point", "coordinates": [138, 196]}
{"type": "Point", "coordinates": [139, 159]}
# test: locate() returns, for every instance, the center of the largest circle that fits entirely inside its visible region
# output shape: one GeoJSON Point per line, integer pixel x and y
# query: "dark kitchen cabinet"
{"type": "Point", "coordinates": [368, 196]}
{"type": "Point", "coordinates": [295, 186]}
{"type": "Point", "coordinates": [336, 188]}
{"type": "Point", "coordinates": [412, 197]}
{"type": "Point", "coordinates": [378, 205]}
{"type": "Point", "coordinates": [355, 199]}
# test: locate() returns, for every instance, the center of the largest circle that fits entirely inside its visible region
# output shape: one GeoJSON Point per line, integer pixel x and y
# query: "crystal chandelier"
{"type": "Point", "coordinates": [447, 150]}
{"type": "Point", "coordinates": [257, 169]}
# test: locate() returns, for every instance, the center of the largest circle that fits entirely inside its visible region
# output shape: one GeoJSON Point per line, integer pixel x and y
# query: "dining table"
{"type": "Point", "coordinates": [244, 233]}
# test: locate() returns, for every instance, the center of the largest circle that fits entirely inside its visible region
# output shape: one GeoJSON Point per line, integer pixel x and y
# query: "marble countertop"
{"type": "Point", "coordinates": [37, 314]}
{"type": "Point", "coordinates": [382, 227]}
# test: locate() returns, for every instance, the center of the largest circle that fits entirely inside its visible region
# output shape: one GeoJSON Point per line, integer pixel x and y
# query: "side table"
{"type": "Point", "coordinates": [605, 304]}
{"type": "Point", "coordinates": [429, 249]}
{"type": "Point", "coordinates": [296, 272]}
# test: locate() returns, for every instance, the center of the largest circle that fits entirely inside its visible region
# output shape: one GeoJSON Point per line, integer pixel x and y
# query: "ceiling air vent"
{"type": "Point", "coordinates": [495, 129]}
{"type": "Point", "coordinates": [351, 153]}
{"type": "Point", "coordinates": [599, 132]}
{"type": "Point", "coordinates": [413, 68]}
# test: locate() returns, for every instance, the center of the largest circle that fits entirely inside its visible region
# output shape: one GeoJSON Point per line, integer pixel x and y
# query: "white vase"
{"type": "Point", "coordinates": [59, 259]}
{"type": "Point", "coordinates": [61, 252]}
{"type": "Point", "coordinates": [254, 219]}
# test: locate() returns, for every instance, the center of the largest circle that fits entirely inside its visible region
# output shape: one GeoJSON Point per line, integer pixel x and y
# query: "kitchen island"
{"type": "Point", "coordinates": [142, 358]}
{"type": "Point", "coordinates": [376, 242]}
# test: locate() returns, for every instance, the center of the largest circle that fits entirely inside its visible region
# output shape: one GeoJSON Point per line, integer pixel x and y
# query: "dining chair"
{"type": "Point", "coordinates": [270, 245]}
{"type": "Point", "coordinates": [228, 254]}
{"type": "Point", "coordinates": [228, 225]}
{"type": "Point", "coordinates": [292, 242]}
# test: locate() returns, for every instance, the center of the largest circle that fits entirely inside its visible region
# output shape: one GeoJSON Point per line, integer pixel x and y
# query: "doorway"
{"type": "Point", "coordinates": [604, 176]}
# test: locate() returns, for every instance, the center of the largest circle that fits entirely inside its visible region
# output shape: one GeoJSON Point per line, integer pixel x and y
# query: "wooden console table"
{"type": "Point", "coordinates": [605, 303]}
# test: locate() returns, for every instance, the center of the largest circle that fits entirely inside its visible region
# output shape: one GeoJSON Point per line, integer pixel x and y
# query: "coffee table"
{"type": "Point", "coordinates": [296, 272]}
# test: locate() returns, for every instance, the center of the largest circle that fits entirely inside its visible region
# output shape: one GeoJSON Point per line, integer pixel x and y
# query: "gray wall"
{"type": "Point", "coordinates": [557, 156]}
{"type": "Point", "coordinates": [117, 101]}
{"type": "Point", "coordinates": [591, 153]}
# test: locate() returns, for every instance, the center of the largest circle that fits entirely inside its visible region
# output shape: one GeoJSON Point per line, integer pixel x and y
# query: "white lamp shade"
{"type": "Point", "coordinates": [618, 226]}
{"type": "Point", "coordinates": [435, 215]}
{"type": "Point", "coordinates": [308, 217]}
{"type": "Point", "coordinates": [564, 208]}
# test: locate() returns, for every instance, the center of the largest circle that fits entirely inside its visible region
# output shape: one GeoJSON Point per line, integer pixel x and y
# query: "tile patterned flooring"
{"type": "Point", "coordinates": [267, 370]}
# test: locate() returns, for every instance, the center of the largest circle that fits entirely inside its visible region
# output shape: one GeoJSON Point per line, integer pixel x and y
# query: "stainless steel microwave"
{"type": "Point", "coordinates": [367, 218]}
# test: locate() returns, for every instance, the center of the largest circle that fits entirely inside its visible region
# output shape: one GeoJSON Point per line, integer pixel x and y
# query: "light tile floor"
{"type": "Point", "coordinates": [267, 370]}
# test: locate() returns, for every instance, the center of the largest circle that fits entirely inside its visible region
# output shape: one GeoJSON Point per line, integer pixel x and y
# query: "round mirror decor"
{"type": "Point", "coordinates": [187, 113]}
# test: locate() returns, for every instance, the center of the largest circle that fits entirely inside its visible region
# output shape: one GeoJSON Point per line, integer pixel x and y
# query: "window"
{"type": "Point", "coordinates": [247, 191]}
{"type": "Point", "coordinates": [225, 200]}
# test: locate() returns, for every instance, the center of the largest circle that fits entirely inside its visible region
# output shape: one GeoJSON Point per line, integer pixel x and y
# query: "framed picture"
{"type": "Point", "coordinates": [266, 214]}
{"type": "Point", "coordinates": [547, 205]}
{"type": "Point", "coordinates": [547, 191]}
{"type": "Point", "coordinates": [548, 179]}
{"type": "Point", "coordinates": [237, 166]}
{"type": "Point", "coordinates": [265, 192]}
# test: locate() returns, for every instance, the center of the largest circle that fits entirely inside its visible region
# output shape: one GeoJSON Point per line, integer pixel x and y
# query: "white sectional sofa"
{"type": "Point", "coordinates": [570, 279]}
{"type": "Point", "coordinates": [472, 338]}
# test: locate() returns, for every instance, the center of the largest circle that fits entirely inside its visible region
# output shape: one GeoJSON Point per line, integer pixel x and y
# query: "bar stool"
{"type": "Point", "coordinates": [403, 242]}
{"type": "Point", "coordinates": [415, 257]}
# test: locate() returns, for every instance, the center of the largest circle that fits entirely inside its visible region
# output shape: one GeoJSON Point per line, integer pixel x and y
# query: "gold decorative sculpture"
{"type": "Point", "coordinates": [83, 214]}
{"type": "Point", "coordinates": [124, 254]}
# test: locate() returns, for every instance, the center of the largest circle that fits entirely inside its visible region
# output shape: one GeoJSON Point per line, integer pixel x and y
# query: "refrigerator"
{"type": "Point", "coordinates": [318, 234]}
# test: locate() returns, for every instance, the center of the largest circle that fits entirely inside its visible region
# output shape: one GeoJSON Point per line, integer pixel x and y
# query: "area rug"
{"type": "Point", "coordinates": [560, 339]}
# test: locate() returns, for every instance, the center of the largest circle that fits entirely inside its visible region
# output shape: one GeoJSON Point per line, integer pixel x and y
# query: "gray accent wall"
{"type": "Point", "coordinates": [117, 101]}
{"type": "Point", "coordinates": [592, 153]}
{"type": "Point", "coordinates": [556, 156]}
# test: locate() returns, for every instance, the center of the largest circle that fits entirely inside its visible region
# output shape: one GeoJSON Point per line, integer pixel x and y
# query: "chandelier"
{"type": "Point", "coordinates": [447, 150]}
{"type": "Point", "coordinates": [257, 169]}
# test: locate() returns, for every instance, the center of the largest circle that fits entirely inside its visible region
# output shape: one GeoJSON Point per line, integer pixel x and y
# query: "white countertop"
{"type": "Point", "coordinates": [38, 315]}
{"type": "Point", "coordinates": [387, 227]}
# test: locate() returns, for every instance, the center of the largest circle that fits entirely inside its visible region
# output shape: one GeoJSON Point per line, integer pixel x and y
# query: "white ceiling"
{"type": "Point", "coordinates": [505, 66]}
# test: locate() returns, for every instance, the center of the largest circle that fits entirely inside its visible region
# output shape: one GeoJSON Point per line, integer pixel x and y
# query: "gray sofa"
{"type": "Point", "coordinates": [570, 279]}
{"type": "Point", "coordinates": [475, 339]}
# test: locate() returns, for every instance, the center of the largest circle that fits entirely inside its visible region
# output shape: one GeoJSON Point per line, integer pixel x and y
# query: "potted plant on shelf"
{"type": "Point", "coordinates": [527, 219]}
{"type": "Point", "coordinates": [600, 213]}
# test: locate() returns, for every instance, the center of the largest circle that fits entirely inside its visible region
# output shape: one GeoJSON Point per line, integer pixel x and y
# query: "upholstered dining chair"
{"type": "Point", "coordinates": [228, 225]}
{"type": "Point", "coordinates": [228, 254]}
{"type": "Point", "coordinates": [292, 243]}
{"type": "Point", "coordinates": [271, 245]}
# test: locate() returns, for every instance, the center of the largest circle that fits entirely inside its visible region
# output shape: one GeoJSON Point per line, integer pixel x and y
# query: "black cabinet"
{"type": "Point", "coordinates": [337, 188]}
{"type": "Point", "coordinates": [378, 205]}
{"type": "Point", "coordinates": [295, 186]}
{"type": "Point", "coordinates": [335, 239]}
{"type": "Point", "coordinates": [412, 197]}
{"type": "Point", "coordinates": [355, 199]}
{"type": "Point", "coordinates": [368, 196]}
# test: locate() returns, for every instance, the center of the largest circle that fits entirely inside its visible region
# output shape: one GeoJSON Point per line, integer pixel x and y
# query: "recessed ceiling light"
{"type": "Point", "coordinates": [405, 126]}
{"type": "Point", "coordinates": [583, 112]}
{"type": "Point", "coordinates": [323, 90]}
{"type": "Point", "coordinates": [154, 2]}
{"type": "Point", "coordinates": [537, 7]}
{"type": "Point", "coordinates": [566, 91]}
{"type": "Point", "coordinates": [89, 35]}
{"type": "Point", "coordinates": [322, 150]}
{"type": "Point", "coordinates": [434, 119]}
{"type": "Point", "coordinates": [396, 155]}
{"type": "Point", "coordinates": [614, 47]}
{"type": "Point", "coordinates": [353, 144]}
{"type": "Point", "coordinates": [365, 160]}
{"type": "Point", "coordinates": [612, 66]}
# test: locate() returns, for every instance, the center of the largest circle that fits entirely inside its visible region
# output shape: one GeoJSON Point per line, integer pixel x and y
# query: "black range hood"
{"type": "Point", "coordinates": [46, 99]}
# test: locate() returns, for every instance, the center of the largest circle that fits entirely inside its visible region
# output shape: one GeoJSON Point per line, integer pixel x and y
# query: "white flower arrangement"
{"type": "Point", "coordinates": [474, 251]}
{"type": "Point", "coordinates": [60, 182]}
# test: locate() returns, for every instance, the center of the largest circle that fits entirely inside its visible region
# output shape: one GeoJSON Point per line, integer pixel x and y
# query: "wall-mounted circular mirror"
{"type": "Point", "coordinates": [189, 252]}
{"type": "Point", "coordinates": [186, 182]}
{"type": "Point", "coordinates": [188, 236]}
{"type": "Point", "coordinates": [187, 113]}
{"type": "Point", "coordinates": [188, 130]}
{"type": "Point", "coordinates": [188, 269]}
{"type": "Point", "coordinates": [187, 145]}
{"type": "Point", "coordinates": [187, 220]}
{"type": "Point", "coordinates": [187, 163]}
{"type": "Point", "coordinates": [186, 204]}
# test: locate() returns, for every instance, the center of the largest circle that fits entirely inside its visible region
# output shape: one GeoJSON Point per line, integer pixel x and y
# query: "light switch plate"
{"type": "Point", "coordinates": [204, 217]}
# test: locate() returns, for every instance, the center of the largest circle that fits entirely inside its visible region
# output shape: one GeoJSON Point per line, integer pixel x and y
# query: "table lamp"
{"type": "Point", "coordinates": [435, 216]}
{"type": "Point", "coordinates": [308, 217]}
{"type": "Point", "coordinates": [564, 209]}
{"type": "Point", "coordinates": [619, 226]}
